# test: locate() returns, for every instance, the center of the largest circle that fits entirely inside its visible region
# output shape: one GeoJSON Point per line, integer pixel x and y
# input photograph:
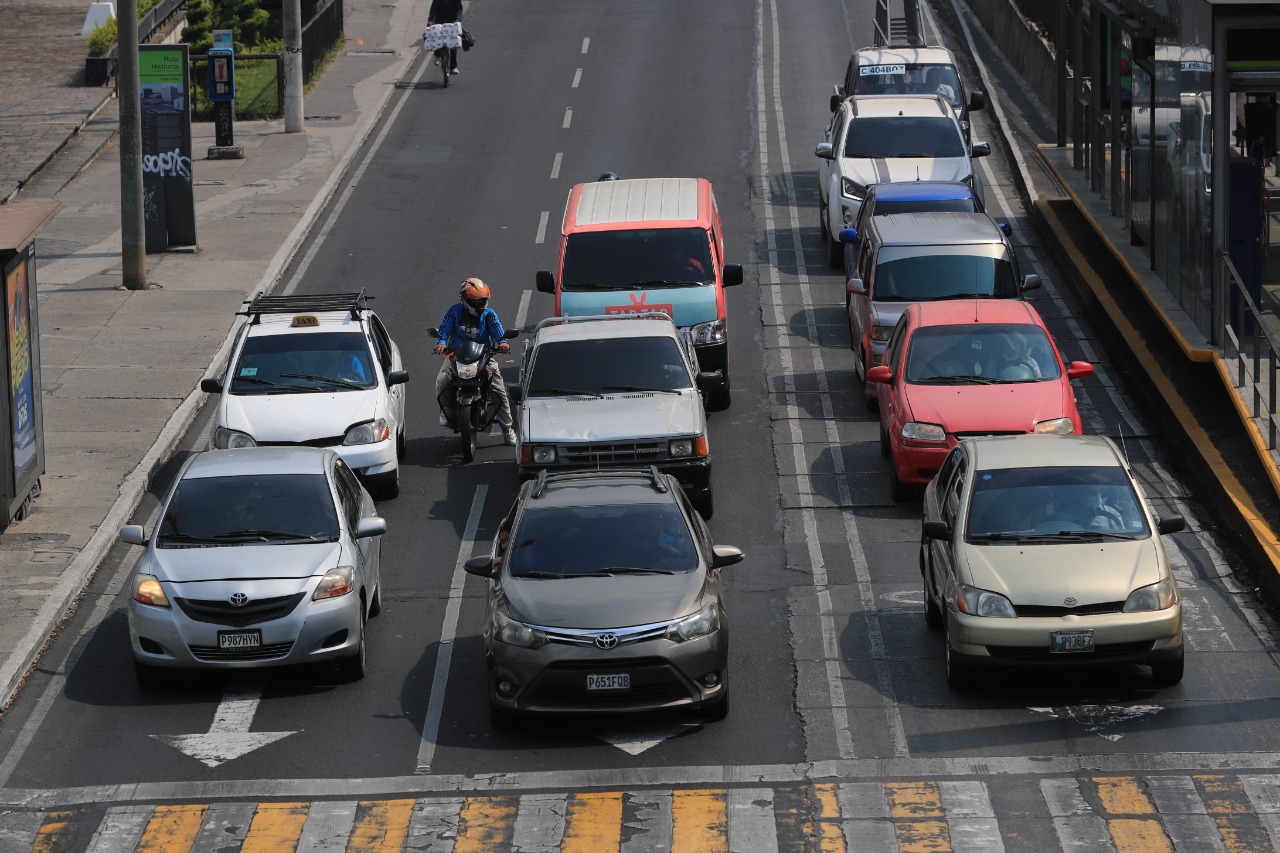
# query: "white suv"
{"type": "Point", "coordinates": [614, 391]}
{"type": "Point", "coordinates": [319, 371]}
{"type": "Point", "coordinates": [875, 139]}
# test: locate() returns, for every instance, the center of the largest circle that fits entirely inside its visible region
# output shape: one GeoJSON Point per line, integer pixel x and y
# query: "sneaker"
{"type": "Point", "coordinates": [444, 420]}
{"type": "Point", "coordinates": [455, 71]}
{"type": "Point", "coordinates": [509, 437]}
{"type": "Point", "coordinates": [435, 61]}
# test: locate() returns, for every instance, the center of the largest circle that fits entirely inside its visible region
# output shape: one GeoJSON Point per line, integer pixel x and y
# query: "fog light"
{"type": "Point", "coordinates": [505, 687]}
{"type": "Point", "coordinates": [711, 679]}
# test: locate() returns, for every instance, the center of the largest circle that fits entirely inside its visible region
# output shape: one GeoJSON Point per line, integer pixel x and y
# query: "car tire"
{"type": "Point", "coordinates": [502, 718]}
{"type": "Point", "coordinates": [1168, 673]}
{"type": "Point", "coordinates": [718, 401]}
{"type": "Point", "coordinates": [885, 449]}
{"type": "Point", "coordinates": [704, 504]}
{"type": "Point", "coordinates": [148, 677]}
{"type": "Point", "coordinates": [872, 400]}
{"type": "Point", "coordinates": [959, 676]}
{"type": "Point", "coordinates": [835, 252]}
{"type": "Point", "coordinates": [352, 668]}
{"type": "Point", "coordinates": [932, 613]}
{"type": "Point", "coordinates": [898, 490]}
{"type": "Point", "coordinates": [402, 446]}
{"type": "Point", "coordinates": [375, 604]}
{"type": "Point", "coordinates": [717, 711]}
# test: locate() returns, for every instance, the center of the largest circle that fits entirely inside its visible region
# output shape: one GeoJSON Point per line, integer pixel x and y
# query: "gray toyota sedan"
{"type": "Point", "coordinates": [604, 595]}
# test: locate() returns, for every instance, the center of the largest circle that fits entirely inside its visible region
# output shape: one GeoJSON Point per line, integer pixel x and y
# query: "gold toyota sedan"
{"type": "Point", "coordinates": [1040, 550]}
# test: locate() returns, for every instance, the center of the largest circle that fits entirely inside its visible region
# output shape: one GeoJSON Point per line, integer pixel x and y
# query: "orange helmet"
{"type": "Point", "coordinates": [475, 294]}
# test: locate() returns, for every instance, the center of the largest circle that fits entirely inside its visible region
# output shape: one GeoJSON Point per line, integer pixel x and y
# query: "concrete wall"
{"type": "Point", "coordinates": [1023, 47]}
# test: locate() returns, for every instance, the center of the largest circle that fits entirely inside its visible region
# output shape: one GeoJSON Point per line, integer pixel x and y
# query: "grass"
{"type": "Point", "coordinates": [256, 94]}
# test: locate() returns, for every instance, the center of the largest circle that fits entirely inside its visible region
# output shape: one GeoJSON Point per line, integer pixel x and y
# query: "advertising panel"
{"type": "Point", "coordinates": [168, 189]}
{"type": "Point", "coordinates": [21, 386]}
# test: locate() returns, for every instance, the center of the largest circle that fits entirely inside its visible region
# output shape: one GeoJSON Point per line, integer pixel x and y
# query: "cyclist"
{"type": "Point", "coordinates": [446, 12]}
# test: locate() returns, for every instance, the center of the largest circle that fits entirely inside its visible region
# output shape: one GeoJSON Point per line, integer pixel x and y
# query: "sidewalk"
{"type": "Point", "coordinates": [120, 368]}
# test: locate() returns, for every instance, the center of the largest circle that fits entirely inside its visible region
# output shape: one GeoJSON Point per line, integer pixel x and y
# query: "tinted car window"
{"type": "Point", "coordinates": [921, 274]}
{"type": "Point", "coordinates": [270, 364]}
{"type": "Point", "coordinates": [1054, 500]}
{"type": "Point", "coordinates": [602, 260]}
{"type": "Point", "coordinates": [582, 540]}
{"type": "Point", "coordinates": [1004, 351]}
{"type": "Point", "coordinates": [903, 136]}
{"type": "Point", "coordinates": [608, 366]}
{"type": "Point", "coordinates": [278, 508]}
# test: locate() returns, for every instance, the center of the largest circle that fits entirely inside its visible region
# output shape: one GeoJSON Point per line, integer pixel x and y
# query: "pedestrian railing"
{"type": "Point", "coordinates": [1252, 348]}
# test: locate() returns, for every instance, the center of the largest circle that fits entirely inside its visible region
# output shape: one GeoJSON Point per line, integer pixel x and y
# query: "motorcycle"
{"type": "Point", "coordinates": [469, 403]}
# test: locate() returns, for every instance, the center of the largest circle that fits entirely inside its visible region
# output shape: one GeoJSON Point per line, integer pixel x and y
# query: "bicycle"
{"type": "Point", "coordinates": [442, 57]}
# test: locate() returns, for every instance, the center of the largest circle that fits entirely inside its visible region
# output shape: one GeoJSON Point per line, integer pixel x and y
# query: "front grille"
{"type": "Point", "coordinates": [267, 652]}
{"type": "Point", "coordinates": [219, 611]}
{"type": "Point", "coordinates": [1042, 610]}
{"type": "Point", "coordinates": [621, 453]}
{"type": "Point", "coordinates": [1103, 650]}
{"type": "Point", "coordinates": [653, 682]}
{"type": "Point", "coordinates": [329, 441]}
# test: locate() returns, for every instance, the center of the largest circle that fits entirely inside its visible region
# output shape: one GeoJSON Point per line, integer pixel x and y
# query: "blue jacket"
{"type": "Point", "coordinates": [459, 325]}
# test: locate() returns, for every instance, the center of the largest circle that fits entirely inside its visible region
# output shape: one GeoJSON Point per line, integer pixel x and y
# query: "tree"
{"type": "Point", "coordinates": [245, 18]}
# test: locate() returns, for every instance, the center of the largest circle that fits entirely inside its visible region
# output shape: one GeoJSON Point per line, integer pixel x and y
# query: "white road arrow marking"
{"type": "Point", "coordinates": [229, 736]}
{"type": "Point", "coordinates": [1095, 718]}
{"type": "Point", "coordinates": [637, 741]}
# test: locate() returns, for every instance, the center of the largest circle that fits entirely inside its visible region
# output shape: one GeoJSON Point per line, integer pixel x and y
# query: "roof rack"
{"type": "Point", "coordinates": [297, 304]}
{"type": "Point", "coordinates": [658, 484]}
{"type": "Point", "coordinates": [544, 479]}
{"type": "Point", "coordinates": [541, 486]}
{"type": "Point", "coordinates": [579, 318]}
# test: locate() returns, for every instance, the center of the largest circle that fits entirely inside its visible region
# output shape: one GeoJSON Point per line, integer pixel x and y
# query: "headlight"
{"type": "Point", "coordinates": [544, 456]}
{"type": "Point", "coordinates": [509, 631]}
{"type": "Point", "coordinates": [880, 333]}
{"type": "Point", "coordinates": [708, 333]}
{"type": "Point", "coordinates": [705, 621]}
{"type": "Point", "coordinates": [923, 432]}
{"type": "Point", "coordinates": [147, 590]}
{"type": "Point", "coordinates": [980, 602]}
{"type": "Point", "coordinates": [467, 371]}
{"type": "Point", "coordinates": [1057, 426]}
{"type": "Point", "coordinates": [1157, 596]}
{"type": "Point", "coordinates": [224, 439]}
{"type": "Point", "coordinates": [335, 582]}
{"type": "Point", "coordinates": [682, 448]}
{"type": "Point", "coordinates": [370, 433]}
{"type": "Point", "coordinates": [853, 190]}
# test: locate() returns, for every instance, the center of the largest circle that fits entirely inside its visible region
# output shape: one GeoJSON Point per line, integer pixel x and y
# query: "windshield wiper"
{"type": "Point", "coordinates": [256, 380]}
{"type": "Point", "coordinates": [975, 380]}
{"type": "Point", "coordinates": [541, 575]}
{"type": "Point", "coordinates": [265, 535]}
{"type": "Point", "coordinates": [565, 392]}
{"type": "Point", "coordinates": [625, 570]}
{"type": "Point", "coordinates": [996, 537]}
{"type": "Point", "coordinates": [666, 282]}
{"type": "Point", "coordinates": [641, 388]}
{"type": "Point", "coordinates": [863, 154]}
{"type": "Point", "coordinates": [1062, 536]}
{"type": "Point", "coordinates": [184, 537]}
{"type": "Point", "coordinates": [345, 383]}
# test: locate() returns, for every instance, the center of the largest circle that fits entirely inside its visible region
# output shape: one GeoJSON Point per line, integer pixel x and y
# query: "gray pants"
{"type": "Point", "coordinates": [499, 389]}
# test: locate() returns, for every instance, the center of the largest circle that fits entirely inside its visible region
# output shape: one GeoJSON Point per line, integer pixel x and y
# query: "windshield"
{"type": "Point", "coordinates": [903, 136]}
{"type": "Point", "coordinates": [614, 260]}
{"type": "Point", "coordinates": [574, 541]}
{"type": "Point", "coordinates": [1023, 502]}
{"type": "Point", "coordinates": [909, 79]}
{"type": "Point", "coordinates": [1005, 351]}
{"type": "Point", "coordinates": [315, 361]}
{"type": "Point", "coordinates": [608, 366]}
{"type": "Point", "coordinates": [275, 508]}
{"type": "Point", "coordinates": [910, 277]}
{"type": "Point", "coordinates": [949, 205]}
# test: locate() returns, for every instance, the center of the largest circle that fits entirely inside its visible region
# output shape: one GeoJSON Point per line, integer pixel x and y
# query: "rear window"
{"type": "Point", "coordinates": [921, 274]}
{"type": "Point", "coordinates": [315, 361]}
{"type": "Point", "coordinates": [903, 136]}
{"type": "Point", "coordinates": [908, 79]}
{"type": "Point", "coordinates": [275, 509]}
{"type": "Point", "coordinates": [583, 540]}
{"type": "Point", "coordinates": [608, 366]}
{"type": "Point", "coordinates": [949, 205]}
{"type": "Point", "coordinates": [652, 257]}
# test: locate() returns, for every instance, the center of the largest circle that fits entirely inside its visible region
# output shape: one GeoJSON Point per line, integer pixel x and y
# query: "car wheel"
{"type": "Point", "coordinates": [704, 504]}
{"type": "Point", "coordinates": [387, 486]}
{"type": "Point", "coordinates": [717, 711]}
{"type": "Point", "coordinates": [932, 613]}
{"type": "Point", "coordinates": [718, 401]}
{"type": "Point", "coordinates": [148, 677]}
{"type": "Point", "coordinates": [402, 448]}
{"type": "Point", "coordinates": [872, 400]}
{"type": "Point", "coordinates": [502, 718]}
{"type": "Point", "coordinates": [375, 605]}
{"type": "Point", "coordinates": [885, 450]}
{"type": "Point", "coordinates": [899, 490]}
{"type": "Point", "coordinates": [835, 252]}
{"type": "Point", "coordinates": [352, 668]}
{"type": "Point", "coordinates": [959, 676]}
{"type": "Point", "coordinates": [1169, 673]}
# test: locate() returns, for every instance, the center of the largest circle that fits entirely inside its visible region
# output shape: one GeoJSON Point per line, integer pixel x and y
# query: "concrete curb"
{"type": "Point", "coordinates": [19, 661]}
{"type": "Point", "coordinates": [93, 113]}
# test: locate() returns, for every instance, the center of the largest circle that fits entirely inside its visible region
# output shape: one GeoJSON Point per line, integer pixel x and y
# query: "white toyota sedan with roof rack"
{"type": "Point", "coordinates": [318, 371]}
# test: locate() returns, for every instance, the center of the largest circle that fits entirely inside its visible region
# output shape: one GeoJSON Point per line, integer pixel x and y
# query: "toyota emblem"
{"type": "Point", "coordinates": [606, 641]}
{"type": "Point", "coordinates": [1070, 602]}
{"type": "Point", "coordinates": [238, 599]}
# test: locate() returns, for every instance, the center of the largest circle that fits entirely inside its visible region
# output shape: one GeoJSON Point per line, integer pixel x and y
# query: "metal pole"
{"type": "Point", "coordinates": [882, 23]}
{"type": "Point", "coordinates": [133, 252]}
{"type": "Point", "coordinates": [292, 10]}
{"type": "Point", "coordinates": [1116, 143]}
{"type": "Point", "coordinates": [1060, 48]}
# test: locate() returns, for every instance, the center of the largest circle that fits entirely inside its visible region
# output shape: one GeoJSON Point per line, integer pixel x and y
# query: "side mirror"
{"type": "Point", "coordinates": [835, 102]}
{"type": "Point", "coordinates": [710, 380]}
{"type": "Point", "coordinates": [1170, 524]}
{"type": "Point", "coordinates": [397, 377]}
{"type": "Point", "coordinates": [546, 281]}
{"type": "Point", "coordinates": [133, 534]}
{"type": "Point", "coordinates": [515, 394]}
{"type": "Point", "coordinates": [880, 374]}
{"type": "Point", "coordinates": [731, 275]}
{"type": "Point", "coordinates": [1079, 370]}
{"type": "Point", "coordinates": [434, 332]}
{"type": "Point", "coordinates": [937, 530]}
{"type": "Point", "coordinates": [1030, 281]}
{"type": "Point", "coordinates": [508, 334]}
{"type": "Point", "coordinates": [725, 555]}
{"type": "Point", "coordinates": [1005, 228]}
{"type": "Point", "coordinates": [825, 151]}
{"type": "Point", "coordinates": [848, 235]}
{"type": "Point", "coordinates": [856, 287]}
{"type": "Point", "coordinates": [481, 565]}
{"type": "Point", "coordinates": [210, 386]}
{"type": "Point", "coordinates": [977, 100]}
{"type": "Point", "coordinates": [980, 149]}
{"type": "Point", "coordinates": [369, 526]}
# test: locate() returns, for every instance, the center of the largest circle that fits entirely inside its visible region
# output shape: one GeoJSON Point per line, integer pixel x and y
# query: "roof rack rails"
{"type": "Point", "coordinates": [541, 485]}
{"type": "Point", "coordinates": [297, 304]}
{"type": "Point", "coordinates": [578, 318]}
{"type": "Point", "coordinates": [658, 484]}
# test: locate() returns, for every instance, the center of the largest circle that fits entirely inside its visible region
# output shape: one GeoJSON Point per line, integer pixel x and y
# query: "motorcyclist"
{"type": "Point", "coordinates": [472, 319]}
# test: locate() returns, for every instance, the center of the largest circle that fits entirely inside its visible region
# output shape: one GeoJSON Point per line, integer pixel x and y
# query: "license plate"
{"type": "Point", "coordinates": [239, 639]}
{"type": "Point", "coordinates": [617, 681]}
{"type": "Point", "coordinates": [1070, 641]}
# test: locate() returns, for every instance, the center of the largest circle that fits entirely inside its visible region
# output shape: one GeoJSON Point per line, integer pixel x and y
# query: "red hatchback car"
{"type": "Point", "coordinates": [965, 368]}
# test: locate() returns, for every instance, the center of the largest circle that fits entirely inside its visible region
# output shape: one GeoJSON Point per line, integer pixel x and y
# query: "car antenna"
{"type": "Point", "coordinates": [1123, 445]}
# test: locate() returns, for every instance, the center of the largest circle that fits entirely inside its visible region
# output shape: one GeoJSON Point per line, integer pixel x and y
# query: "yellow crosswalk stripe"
{"type": "Point", "coordinates": [1121, 795]}
{"type": "Point", "coordinates": [830, 834]}
{"type": "Point", "coordinates": [380, 826]}
{"type": "Point", "coordinates": [486, 824]}
{"type": "Point", "coordinates": [52, 834]}
{"type": "Point", "coordinates": [276, 827]}
{"type": "Point", "coordinates": [1228, 804]}
{"type": "Point", "coordinates": [699, 822]}
{"type": "Point", "coordinates": [919, 822]}
{"type": "Point", "coordinates": [593, 823]}
{"type": "Point", "coordinates": [1139, 835]}
{"type": "Point", "coordinates": [172, 829]}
